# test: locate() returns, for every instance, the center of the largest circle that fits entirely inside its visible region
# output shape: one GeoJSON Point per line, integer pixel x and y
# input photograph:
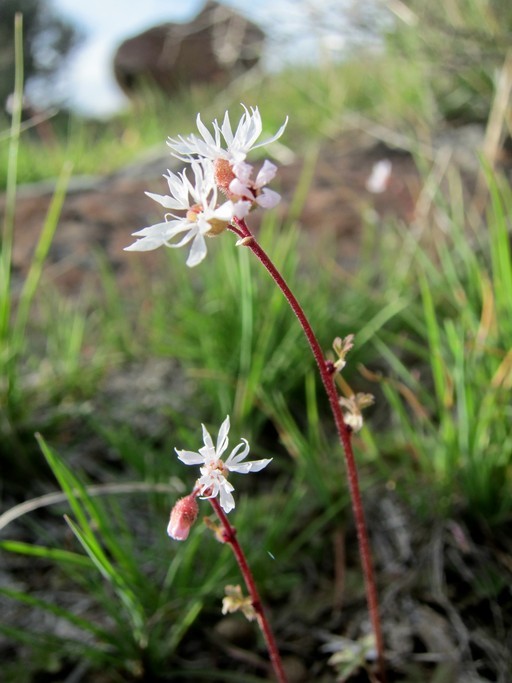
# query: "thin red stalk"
{"type": "Point", "coordinates": [230, 537]}
{"type": "Point", "coordinates": [344, 436]}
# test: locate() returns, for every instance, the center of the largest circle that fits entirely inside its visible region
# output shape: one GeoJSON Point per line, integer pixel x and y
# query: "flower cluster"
{"type": "Point", "coordinates": [218, 165]}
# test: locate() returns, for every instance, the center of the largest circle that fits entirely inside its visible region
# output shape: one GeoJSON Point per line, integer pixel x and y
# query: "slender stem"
{"type": "Point", "coordinates": [230, 537]}
{"type": "Point", "coordinates": [344, 434]}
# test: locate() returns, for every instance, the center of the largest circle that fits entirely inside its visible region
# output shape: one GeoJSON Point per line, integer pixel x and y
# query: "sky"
{"type": "Point", "coordinates": [87, 83]}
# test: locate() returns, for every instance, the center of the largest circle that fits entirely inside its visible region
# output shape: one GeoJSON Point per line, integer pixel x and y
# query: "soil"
{"type": "Point", "coordinates": [445, 591]}
{"type": "Point", "coordinates": [103, 212]}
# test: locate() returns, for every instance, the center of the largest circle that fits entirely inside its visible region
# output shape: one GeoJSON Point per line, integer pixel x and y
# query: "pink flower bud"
{"type": "Point", "coordinates": [183, 515]}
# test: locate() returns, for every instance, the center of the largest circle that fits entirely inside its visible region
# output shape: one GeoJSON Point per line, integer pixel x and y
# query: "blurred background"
{"type": "Point", "coordinates": [76, 43]}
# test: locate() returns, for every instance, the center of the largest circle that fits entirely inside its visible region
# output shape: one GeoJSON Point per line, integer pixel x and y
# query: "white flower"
{"type": "Point", "coordinates": [224, 144]}
{"type": "Point", "coordinates": [202, 215]}
{"type": "Point", "coordinates": [378, 179]}
{"type": "Point", "coordinates": [214, 471]}
{"type": "Point", "coordinates": [255, 190]}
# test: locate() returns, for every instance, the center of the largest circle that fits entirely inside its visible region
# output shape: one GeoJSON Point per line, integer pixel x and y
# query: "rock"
{"type": "Point", "coordinates": [216, 46]}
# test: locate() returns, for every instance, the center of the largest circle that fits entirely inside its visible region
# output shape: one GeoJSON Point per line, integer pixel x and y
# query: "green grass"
{"type": "Point", "coordinates": [456, 427]}
{"type": "Point", "coordinates": [316, 101]}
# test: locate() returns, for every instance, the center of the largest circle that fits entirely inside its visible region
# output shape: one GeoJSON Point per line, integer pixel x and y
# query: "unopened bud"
{"type": "Point", "coordinates": [245, 241]}
{"type": "Point", "coordinates": [183, 515]}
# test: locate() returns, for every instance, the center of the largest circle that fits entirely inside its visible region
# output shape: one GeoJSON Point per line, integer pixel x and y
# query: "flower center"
{"type": "Point", "coordinates": [223, 174]}
{"type": "Point", "coordinates": [218, 466]}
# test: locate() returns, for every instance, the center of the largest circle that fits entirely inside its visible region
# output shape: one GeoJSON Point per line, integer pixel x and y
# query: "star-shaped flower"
{"type": "Point", "coordinates": [202, 215]}
{"type": "Point", "coordinates": [224, 144]}
{"type": "Point", "coordinates": [214, 471]}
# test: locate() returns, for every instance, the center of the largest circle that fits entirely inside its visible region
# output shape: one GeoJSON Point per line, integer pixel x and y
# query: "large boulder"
{"type": "Point", "coordinates": [216, 46]}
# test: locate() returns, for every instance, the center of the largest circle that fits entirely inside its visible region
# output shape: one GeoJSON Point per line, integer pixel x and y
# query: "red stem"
{"type": "Point", "coordinates": [230, 537]}
{"type": "Point", "coordinates": [344, 433]}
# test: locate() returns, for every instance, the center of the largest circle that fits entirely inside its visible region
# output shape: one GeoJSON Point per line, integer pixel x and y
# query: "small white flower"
{"type": "Point", "coordinates": [224, 144]}
{"type": "Point", "coordinates": [202, 215]}
{"type": "Point", "coordinates": [214, 471]}
{"type": "Point", "coordinates": [378, 179]}
{"type": "Point", "coordinates": [255, 190]}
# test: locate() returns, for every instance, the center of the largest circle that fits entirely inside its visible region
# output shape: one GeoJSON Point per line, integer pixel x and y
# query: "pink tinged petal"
{"type": "Point", "coordinates": [222, 439]}
{"type": "Point", "coordinates": [183, 515]}
{"type": "Point", "coordinates": [197, 252]}
{"type": "Point", "coordinates": [266, 173]}
{"type": "Point", "coordinates": [239, 189]}
{"type": "Point", "coordinates": [177, 531]}
{"type": "Point", "coordinates": [190, 457]}
{"type": "Point", "coordinates": [242, 171]}
{"type": "Point", "coordinates": [268, 199]}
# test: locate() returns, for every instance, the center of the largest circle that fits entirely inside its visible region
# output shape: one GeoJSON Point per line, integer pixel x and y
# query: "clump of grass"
{"type": "Point", "coordinates": [453, 407]}
{"type": "Point", "coordinates": [462, 44]}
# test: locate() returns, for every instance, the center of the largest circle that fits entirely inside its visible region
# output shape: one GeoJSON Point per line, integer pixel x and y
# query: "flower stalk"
{"type": "Point", "coordinates": [229, 536]}
{"type": "Point", "coordinates": [217, 159]}
{"type": "Point", "coordinates": [344, 434]}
